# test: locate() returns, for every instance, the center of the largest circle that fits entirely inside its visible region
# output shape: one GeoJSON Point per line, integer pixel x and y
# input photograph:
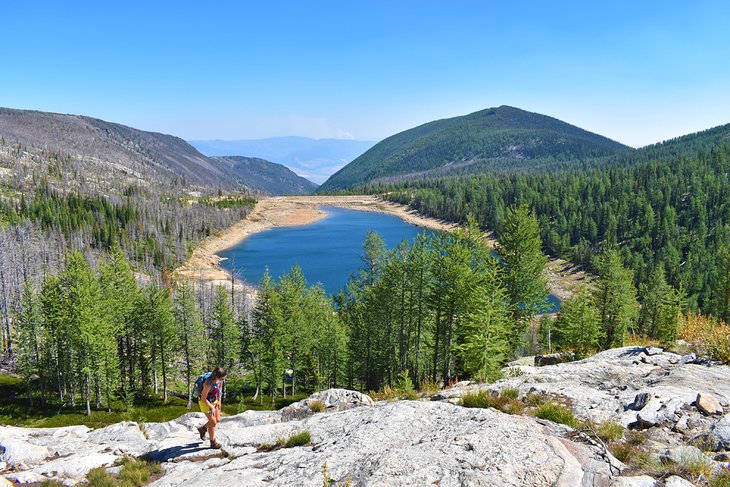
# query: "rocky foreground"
{"type": "Point", "coordinates": [436, 442]}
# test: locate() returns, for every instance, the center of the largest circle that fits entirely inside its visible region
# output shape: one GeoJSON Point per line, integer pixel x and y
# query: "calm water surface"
{"type": "Point", "coordinates": [328, 251]}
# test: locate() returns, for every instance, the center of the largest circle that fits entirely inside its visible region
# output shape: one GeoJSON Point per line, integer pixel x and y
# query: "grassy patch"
{"type": "Point", "coordinates": [556, 413]}
{"type": "Point", "coordinates": [610, 431]}
{"type": "Point", "coordinates": [298, 439]}
{"type": "Point", "coordinates": [624, 452]}
{"type": "Point", "coordinates": [134, 473]}
{"type": "Point", "coordinates": [316, 406]}
{"type": "Point", "coordinates": [501, 402]}
{"type": "Point", "coordinates": [509, 392]}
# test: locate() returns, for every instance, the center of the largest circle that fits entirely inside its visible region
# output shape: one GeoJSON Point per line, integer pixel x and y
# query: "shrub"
{"type": "Point", "coordinates": [609, 431]}
{"type": "Point", "coordinates": [721, 478]}
{"type": "Point", "coordinates": [624, 452]}
{"type": "Point", "coordinates": [534, 400]}
{"type": "Point", "coordinates": [485, 399]}
{"type": "Point", "coordinates": [635, 437]}
{"type": "Point", "coordinates": [557, 414]}
{"type": "Point", "coordinates": [298, 439]}
{"type": "Point", "coordinates": [482, 399]}
{"type": "Point", "coordinates": [707, 336]}
{"type": "Point", "coordinates": [430, 388]}
{"type": "Point", "coordinates": [316, 406]}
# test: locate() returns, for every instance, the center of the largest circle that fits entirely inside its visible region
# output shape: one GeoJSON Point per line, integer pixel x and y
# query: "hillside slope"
{"type": "Point", "coordinates": [500, 138]}
{"type": "Point", "coordinates": [266, 176]}
{"type": "Point", "coordinates": [105, 146]}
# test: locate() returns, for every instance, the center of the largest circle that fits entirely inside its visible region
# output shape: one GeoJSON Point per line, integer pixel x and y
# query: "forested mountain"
{"type": "Point", "coordinates": [495, 139]}
{"type": "Point", "coordinates": [666, 209]}
{"type": "Point", "coordinates": [266, 176]}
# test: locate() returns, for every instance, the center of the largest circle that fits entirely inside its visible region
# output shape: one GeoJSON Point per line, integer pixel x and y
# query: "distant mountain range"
{"type": "Point", "coordinates": [103, 149]}
{"type": "Point", "coordinates": [275, 179]}
{"type": "Point", "coordinates": [495, 139]}
{"type": "Point", "coordinates": [314, 159]}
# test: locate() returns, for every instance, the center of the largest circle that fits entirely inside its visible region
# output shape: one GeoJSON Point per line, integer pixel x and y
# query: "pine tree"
{"type": "Point", "coordinates": [80, 313]}
{"type": "Point", "coordinates": [162, 333]}
{"type": "Point", "coordinates": [485, 334]}
{"type": "Point", "coordinates": [189, 333]}
{"type": "Point", "coordinates": [615, 298]}
{"type": "Point", "coordinates": [224, 332]}
{"type": "Point", "coordinates": [520, 248]}
{"type": "Point", "coordinates": [578, 323]}
{"type": "Point", "coordinates": [31, 338]}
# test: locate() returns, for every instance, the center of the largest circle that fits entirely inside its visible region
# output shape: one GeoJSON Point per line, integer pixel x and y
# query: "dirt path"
{"type": "Point", "coordinates": [282, 211]}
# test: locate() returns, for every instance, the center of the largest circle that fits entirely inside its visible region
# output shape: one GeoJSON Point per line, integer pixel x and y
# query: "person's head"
{"type": "Point", "coordinates": [219, 374]}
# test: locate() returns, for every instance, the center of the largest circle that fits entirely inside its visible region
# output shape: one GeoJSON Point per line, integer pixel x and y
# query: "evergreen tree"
{"type": "Point", "coordinates": [721, 284]}
{"type": "Point", "coordinates": [80, 311]}
{"type": "Point", "coordinates": [30, 338]}
{"type": "Point", "coordinates": [224, 333]}
{"type": "Point", "coordinates": [615, 298]}
{"type": "Point", "coordinates": [484, 346]}
{"type": "Point", "coordinates": [162, 334]}
{"type": "Point", "coordinates": [520, 248]}
{"type": "Point", "coordinates": [661, 307]}
{"type": "Point", "coordinates": [578, 323]}
{"type": "Point", "coordinates": [189, 334]}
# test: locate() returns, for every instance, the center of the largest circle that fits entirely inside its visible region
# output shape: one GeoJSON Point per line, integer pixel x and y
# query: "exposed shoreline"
{"type": "Point", "coordinates": [283, 211]}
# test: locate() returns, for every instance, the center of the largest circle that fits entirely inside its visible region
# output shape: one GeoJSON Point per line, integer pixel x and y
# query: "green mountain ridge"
{"type": "Point", "coordinates": [502, 138]}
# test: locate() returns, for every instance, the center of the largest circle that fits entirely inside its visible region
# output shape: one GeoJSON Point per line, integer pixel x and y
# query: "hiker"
{"type": "Point", "coordinates": [210, 404]}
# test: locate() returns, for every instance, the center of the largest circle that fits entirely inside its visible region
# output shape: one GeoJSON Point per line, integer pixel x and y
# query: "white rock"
{"type": "Point", "coordinates": [720, 432]}
{"type": "Point", "coordinates": [675, 481]}
{"type": "Point", "coordinates": [409, 443]}
{"type": "Point", "coordinates": [5, 482]}
{"type": "Point", "coordinates": [19, 454]}
{"type": "Point", "coordinates": [684, 455]}
{"type": "Point", "coordinates": [640, 481]}
{"type": "Point", "coordinates": [75, 467]}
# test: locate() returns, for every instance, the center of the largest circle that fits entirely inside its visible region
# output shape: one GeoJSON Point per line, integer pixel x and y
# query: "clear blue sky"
{"type": "Point", "coordinates": [638, 71]}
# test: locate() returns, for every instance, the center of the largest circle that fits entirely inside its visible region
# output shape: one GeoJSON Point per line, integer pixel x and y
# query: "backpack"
{"type": "Point", "coordinates": [198, 388]}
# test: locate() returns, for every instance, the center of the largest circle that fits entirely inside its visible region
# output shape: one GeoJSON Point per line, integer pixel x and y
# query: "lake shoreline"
{"type": "Point", "coordinates": [204, 267]}
{"type": "Point", "coordinates": [285, 211]}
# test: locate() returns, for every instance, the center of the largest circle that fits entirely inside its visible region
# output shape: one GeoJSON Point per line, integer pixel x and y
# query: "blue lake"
{"type": "Point", "coordinates": [328, 251]}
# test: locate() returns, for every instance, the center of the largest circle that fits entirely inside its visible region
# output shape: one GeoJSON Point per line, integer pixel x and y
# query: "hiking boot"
{"type": "Point", "coordinates": [215, 445]}
{"type": "Point", "coordinates": [201, 431]}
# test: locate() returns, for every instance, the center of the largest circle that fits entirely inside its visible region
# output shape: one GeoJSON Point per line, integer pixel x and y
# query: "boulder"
{"type": "Point", "coordinates": [675, 481]}
{"type": "Point", "coordinates": [5, 482]}
{"type": "Point", "coordinates": [640, 401]}
{"type": "Point", "coordinates": [685, 455]}
{"type": "Point", "coordinates": [550, 359]}
{"type": "Point", "coordinates": [719, 433]}
{"type": "Point", "coordinates": [75, 467]}
{"type": "Point", "coordinates": [640, 481]}
{"type": "Point", "coordinates": [660, 412]}
{"type": "Point", "coordinates": [331, 399]}
{"type": "Point", "coordinates": [18, 454]}
{"type": "Point", "coordinates": [653, 351]}
{"type": "Point", "coordinates": [708, 404]}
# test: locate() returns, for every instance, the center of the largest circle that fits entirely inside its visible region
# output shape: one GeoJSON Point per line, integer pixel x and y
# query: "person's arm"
{"type": "Point", "coordinates": [204, 394]}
